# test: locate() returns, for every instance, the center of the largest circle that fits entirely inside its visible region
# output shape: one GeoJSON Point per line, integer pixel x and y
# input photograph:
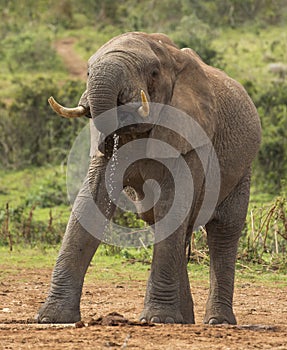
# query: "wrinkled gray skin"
{"type": "Point", "coordinates": [117, 73]}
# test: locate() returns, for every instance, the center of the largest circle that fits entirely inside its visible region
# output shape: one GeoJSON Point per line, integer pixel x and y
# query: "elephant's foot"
{"type": "Point", "coordinates": [53, 312]}
{"type": "Point", "coordinates": [164, 315]}
{"type": "Point", "coordinates": [219, 314]}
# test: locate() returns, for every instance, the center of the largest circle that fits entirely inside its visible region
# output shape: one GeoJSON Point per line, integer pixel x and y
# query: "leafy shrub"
{"type": "Point", "coordinates": [30, 132]}
{"type": "Point", "coordinates": [236, 12]}
{"type": "Point", "coordinates": [18, 226]}
{"type": "Point", "coordinates": [29, 51]}
{"type": "Point", "coordinates": [49, 193]}
{"type": "Point", "coordinates": [192, 32]}
{"type": "Point", "coordinates": [265, 234]}
{"type": "Point", "coordinates": [272, 159]}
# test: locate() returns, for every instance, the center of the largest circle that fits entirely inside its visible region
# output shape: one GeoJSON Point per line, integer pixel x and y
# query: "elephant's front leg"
{"type": "Point", "coordinates": [63, 302]}
{"type": "Point", "coordinates": [82, 238]}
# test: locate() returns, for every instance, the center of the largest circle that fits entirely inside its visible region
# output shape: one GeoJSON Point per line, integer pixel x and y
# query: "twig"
{"type": "Point", "coordinates": [7, 232]}
{"type": "Point", "coordinates": [252, 225]}
{"type": "Point", "coordinates": [267, 222]}
{"type": "Point", "coordinates": [276, 229]}
{"type": "Point", "coordinates": [203, 231]}
{"type": "Point", "coordinates": [142, 243]}
{"type": "Point", "coordinates": [244, 266]}
{"type": "Point", "coordinates": [137, 231]}
{"type": "Point", "coordinates": [125, 344]}
{"type": "Point", "coordinates": [50, 224]}
{"type": "Point", "coordinates": [27, 228]}
{"type": "Point", "coordinates": [283, 217]}
{"type": "Point", "coordinates": [270, 214]}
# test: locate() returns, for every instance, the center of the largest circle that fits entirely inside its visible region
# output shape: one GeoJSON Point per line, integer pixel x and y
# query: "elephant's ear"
{"type": "Point", "coordinates": [193, 95]}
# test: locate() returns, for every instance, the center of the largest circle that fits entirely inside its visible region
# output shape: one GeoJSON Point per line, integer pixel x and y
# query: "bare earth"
{"type": "Point", "coordinates": [75, 65]}
{"type": "Point", "coordinates": [261, 314]}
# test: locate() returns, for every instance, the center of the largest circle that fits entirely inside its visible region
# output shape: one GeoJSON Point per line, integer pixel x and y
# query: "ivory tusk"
{"type": "Point", "coordinates": [144, 108]}
{"type": "Point", "coordinates": [67, 112]}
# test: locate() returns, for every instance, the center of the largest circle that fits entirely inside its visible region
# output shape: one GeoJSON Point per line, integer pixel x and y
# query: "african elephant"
{"type": "Point", "coordinates": [138, 70]}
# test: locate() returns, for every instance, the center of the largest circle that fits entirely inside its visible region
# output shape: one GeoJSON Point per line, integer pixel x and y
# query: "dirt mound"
{"type": "Point", "coordinates": [113, 319]}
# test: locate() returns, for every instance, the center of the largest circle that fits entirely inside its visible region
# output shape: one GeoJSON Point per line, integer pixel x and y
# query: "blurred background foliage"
{"type": "Point", "coordinates": [226, 33]}
{"type": "Point", "coordinates": [246, 38]}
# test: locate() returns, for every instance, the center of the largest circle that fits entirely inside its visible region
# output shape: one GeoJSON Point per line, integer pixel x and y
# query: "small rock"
{"type": "Point", "coordinates": [79, 324]}
{"type": "Point", "coordinates": [5, 309]}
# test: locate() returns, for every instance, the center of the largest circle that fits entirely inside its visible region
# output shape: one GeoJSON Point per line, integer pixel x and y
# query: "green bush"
{"type": "Point", "coordinates": [192, 32]}
{"type": "Point", "coordinates": [265, 234]}
{"type": "Point", "coordinates": [29, 51]}
{"type": "Point", "coordinates": [30, 132]}
{"type": "Point", "coordinates": [51, 192]}
{"type": "Point", "coordinates": [272, 160]}
{"type": "Point", "coordinates": [236, 12]}
{"type": "Point", "coordinates": [24, 228]}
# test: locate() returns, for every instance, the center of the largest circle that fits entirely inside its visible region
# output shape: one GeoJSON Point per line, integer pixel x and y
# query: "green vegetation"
{"type": "Point", "coordinates": [246, 38]}
{"type": "Point", "coordinates": [33, 206]}
{"type": "Point", "coordinates": [119, 269]}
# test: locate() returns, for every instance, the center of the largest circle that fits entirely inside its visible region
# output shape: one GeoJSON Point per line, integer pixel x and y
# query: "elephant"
{"type": "Point", "coordinates": [131, 73]}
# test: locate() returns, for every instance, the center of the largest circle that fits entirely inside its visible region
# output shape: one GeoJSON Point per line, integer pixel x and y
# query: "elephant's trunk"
{"type": "Point", "coordinates": [104, 86]}
{"type": "Point", "coordinates": [112, 82]}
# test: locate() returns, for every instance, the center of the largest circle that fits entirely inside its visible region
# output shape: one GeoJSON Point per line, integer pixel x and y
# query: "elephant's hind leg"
{"type": "Point", "coordinates": [223, 235]}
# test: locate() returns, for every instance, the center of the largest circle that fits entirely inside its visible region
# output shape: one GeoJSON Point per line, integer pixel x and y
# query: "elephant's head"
{"type": "Point", "coordinates": [135, 69]}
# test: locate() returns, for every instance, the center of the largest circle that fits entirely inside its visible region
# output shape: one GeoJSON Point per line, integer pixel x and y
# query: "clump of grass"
{"type": "Point", "coordinates": [19, 226]}
{"type": "Point", "coordinates": [263, 240]}
{"type": "Point", "coordinates": [265, 235]}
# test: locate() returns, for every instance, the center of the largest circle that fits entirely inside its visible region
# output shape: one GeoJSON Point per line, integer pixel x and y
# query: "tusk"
{"type": "Point", "coordinates": [67, 112]}
{"type": "Point", "coordinates": [144, 108]}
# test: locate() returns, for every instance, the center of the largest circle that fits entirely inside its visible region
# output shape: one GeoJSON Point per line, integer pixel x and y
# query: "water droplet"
{"type": "Point", "coordinates": [112, 181]}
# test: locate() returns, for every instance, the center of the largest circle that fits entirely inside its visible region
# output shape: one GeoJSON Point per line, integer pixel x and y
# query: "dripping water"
{"type": "Point", "coordinates": [112, 181]}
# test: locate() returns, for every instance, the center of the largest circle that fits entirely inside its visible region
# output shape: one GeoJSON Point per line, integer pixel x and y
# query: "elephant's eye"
{"type": "Point", "coordinates": [155, 73]}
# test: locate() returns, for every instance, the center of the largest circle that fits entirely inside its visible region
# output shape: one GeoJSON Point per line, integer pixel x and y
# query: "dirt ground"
{"type": "Point", "coordinates": [75, 65]}
{"type": "Point", "coordinates": [261, 314]}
